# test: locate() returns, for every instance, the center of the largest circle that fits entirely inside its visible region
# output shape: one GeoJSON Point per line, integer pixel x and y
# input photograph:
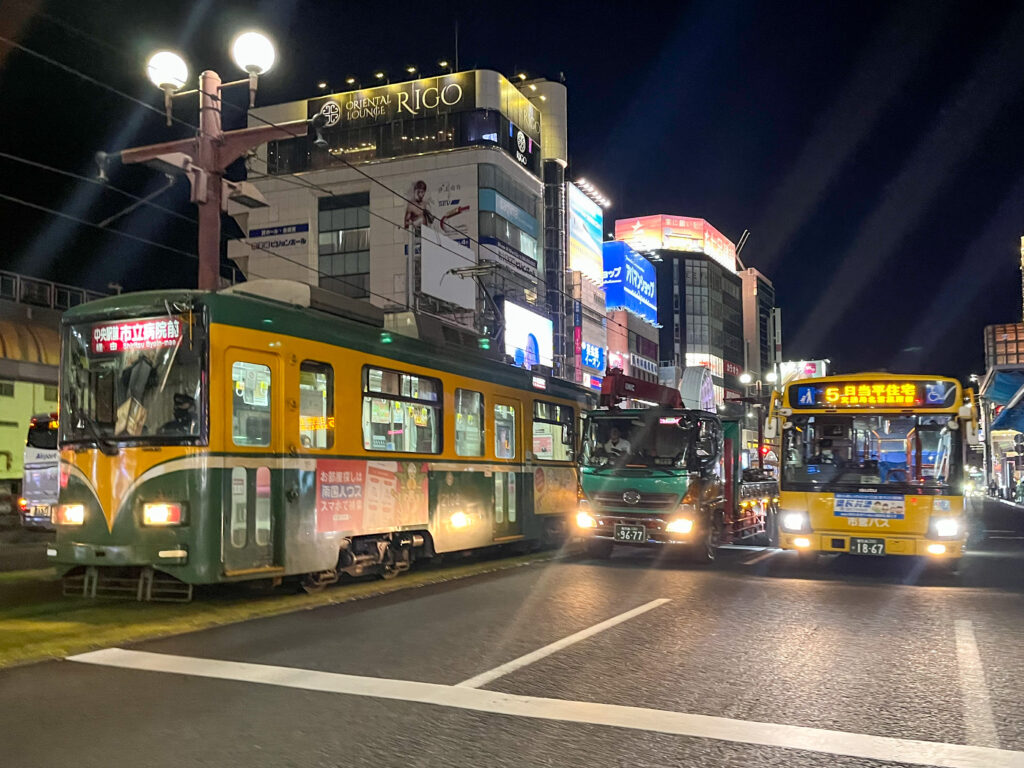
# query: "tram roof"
{"type": "Point", "coordinates": [239, 309]}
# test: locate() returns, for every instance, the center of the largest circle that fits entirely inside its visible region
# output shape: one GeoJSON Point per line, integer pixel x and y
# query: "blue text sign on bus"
{"type": "Point", "coordinates": [882, 506]}
{"type": "Point", "coordinates": [629, 282]}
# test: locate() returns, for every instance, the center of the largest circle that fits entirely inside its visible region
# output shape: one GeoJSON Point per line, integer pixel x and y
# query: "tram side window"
{"type": "Point", "coordinates": [469, 423]}
{"type": "Point", "coordinates": [505, 431]}
{"type": "Point", "coordinates": [316, 405]}
{"type": "Point", "coordinates": [401, 412]}
{"type": "Point", "coordinates": [553, 434]}
{"type": "Point", "coordinates": [250, 412]}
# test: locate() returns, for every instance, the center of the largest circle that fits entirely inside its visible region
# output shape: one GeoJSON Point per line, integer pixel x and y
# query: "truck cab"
{"type": "Point", "coordinates": [666, 475]}
{"type": "Point", "coordinates": [41, 479]}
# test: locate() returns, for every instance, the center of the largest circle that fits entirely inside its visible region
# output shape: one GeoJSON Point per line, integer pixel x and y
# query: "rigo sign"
{"type": "Point", "coordinates": [385, 104]}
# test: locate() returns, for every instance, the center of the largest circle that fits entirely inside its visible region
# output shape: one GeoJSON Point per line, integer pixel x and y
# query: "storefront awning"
{"type": "Point", "coordinates": [1003, 386]}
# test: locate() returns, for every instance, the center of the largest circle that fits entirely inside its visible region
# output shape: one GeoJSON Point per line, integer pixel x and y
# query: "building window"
{"type": "Point", "coordinates": [401, 412]}
{"type": "Point", "coordinates": [316, 405]}
{"type": "Point", "coordinates": [552, 432]}
{"type": "Point", "coordinates": [469, 423]}
{"type": "Point", "coordinates": [6, 389]}
{"type": "Point", "coordinates": [493, 225]}
{"type": "Point", "coordinates": [344, 244]}
{"type": "Point", "coordinates": [493, 177]}
{"type": "Point", "coordinates": [250, 413]}
{"type": "Point", "coordinates": [505, 431]}
{"type": "Point", "coordinates": [50, 394]}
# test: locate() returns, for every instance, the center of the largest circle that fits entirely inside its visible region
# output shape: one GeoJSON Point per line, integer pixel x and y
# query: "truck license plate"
{"type": "Point", "coordinates": [867, 546]}
{"type": "Point", "coordinates": [630, 533]}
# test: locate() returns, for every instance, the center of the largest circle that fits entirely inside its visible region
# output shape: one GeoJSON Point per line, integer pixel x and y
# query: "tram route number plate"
{"type": "Point", "coordinates": [867, 546]}
{"type": "Point", "coordinates": [631, 533]}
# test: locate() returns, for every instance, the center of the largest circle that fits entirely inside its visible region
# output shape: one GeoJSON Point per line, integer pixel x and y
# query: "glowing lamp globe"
{"type": "Point", "coordinates": [253, 52]}
{"type": "Point", "coordinates": [167, 70]}
{"type": "Point", "coordinates": [746, 378]}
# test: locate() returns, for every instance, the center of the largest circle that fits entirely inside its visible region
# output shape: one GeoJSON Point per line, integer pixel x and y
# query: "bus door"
{"type": "Point", "coordinates": [253, 494]}
{"type": "Point", "coordinates": [509, 495]}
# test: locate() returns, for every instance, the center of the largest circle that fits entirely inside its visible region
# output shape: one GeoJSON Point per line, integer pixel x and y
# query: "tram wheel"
{"type": "Point", "coordinates": [317, 582]}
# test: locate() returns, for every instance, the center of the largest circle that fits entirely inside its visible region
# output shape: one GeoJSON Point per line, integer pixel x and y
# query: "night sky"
{"type": "Point", "coordinates": [874, 151]}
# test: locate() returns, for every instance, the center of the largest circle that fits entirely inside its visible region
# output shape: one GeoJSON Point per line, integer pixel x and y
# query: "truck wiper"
{"type": "Point", "coordinates": [108, 448]}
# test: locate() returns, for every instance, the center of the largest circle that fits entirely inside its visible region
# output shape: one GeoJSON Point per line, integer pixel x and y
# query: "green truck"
{"type": "Point", "coordinates": [667, 475]}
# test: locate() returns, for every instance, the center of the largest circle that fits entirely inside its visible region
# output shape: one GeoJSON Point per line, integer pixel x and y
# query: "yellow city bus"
{"type": "Point", "coordinates": [873, 465]}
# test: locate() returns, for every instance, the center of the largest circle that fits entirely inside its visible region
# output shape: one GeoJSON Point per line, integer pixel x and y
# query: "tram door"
{"type": "Point", "coordinates": [509, 495]}
{"type": "Point", "coordinates": [253, 480]}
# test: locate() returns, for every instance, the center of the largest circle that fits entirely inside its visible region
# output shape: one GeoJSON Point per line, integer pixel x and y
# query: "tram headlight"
{"type": "Point", "coordinates": [794, 522]}
{"type": "Point", "coordinates": [460, 520]}
{"type": "Point", "coordinates": [161, 513]}
{"type": "Point", "coordinates": [945, 527]}
{"type": "Point", "coordinates": [71, 514]}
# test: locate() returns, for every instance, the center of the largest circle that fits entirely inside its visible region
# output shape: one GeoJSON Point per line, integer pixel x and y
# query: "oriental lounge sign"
{"type": "Point", "coordinates": [389, 103]}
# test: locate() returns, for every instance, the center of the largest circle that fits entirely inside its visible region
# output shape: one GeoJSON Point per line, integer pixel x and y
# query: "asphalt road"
{"type": "Point", "coordinates": [754, 662]}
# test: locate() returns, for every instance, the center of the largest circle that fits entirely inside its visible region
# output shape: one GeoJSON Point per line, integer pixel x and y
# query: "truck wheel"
{"type": "Point", "coordinates": [600, 549]}
{"type": "Point", "coordinates": [705, 551]}
{"type": "Point", "coordinates": [771, 528]}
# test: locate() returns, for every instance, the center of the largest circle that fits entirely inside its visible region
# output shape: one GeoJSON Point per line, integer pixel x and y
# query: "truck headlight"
{"type": "Point", "coordinates": [794, 522]}
{"type": "Point", "coordinates": [946, 527]}
{"type": "Point", "coordinates": [71, 514]}
{"type": "Point", "coordinates": [161, 513]}
{"type": "Point", "coordinates": [679, 525]}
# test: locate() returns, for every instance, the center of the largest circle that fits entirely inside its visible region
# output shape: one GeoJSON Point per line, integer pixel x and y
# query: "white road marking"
{"type": "Point", "coordinates": [981, 726]}
{"type": "Point", "coordinates": [763, 556]}
{"type": "Point", "coordinates": [863, 746]}
{"type": "Point", "coordinates": [493, 674]}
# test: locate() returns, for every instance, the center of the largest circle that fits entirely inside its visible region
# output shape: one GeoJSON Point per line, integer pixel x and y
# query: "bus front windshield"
{"type": "Point", "coordinates": [903, 452]}
{"type": "Point", "coordinates": [137, 380]}
{"type": "Point", "coordinates": [650, 438]}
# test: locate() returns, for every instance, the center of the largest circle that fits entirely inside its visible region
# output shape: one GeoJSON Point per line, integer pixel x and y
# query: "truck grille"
{"type": "Point", "coordinates": [647, 502]}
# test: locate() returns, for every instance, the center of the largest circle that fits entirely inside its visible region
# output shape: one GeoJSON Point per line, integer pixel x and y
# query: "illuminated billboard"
{"type": "Point", "coordinates": [677, 233]}
{"type": "Point", "coordinates": [629, 282]}
{"type": "Point", "coordinates": [528, 337]}
{"type": "Point", "coordinates": [586, 234]}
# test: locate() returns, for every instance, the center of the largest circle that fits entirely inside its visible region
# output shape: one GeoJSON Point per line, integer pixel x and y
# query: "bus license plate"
{"type": "Point", "coordinates": [630, 533]}
{"type": "Point", "coordinates": [867, 546]}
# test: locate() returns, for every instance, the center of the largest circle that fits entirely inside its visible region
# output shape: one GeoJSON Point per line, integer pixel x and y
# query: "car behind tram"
{"type": "Point", "coordinates": [275, 430]}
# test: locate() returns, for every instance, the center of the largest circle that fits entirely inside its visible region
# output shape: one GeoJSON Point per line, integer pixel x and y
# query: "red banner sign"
{"type": "Point", "coordinates": [151, 333]}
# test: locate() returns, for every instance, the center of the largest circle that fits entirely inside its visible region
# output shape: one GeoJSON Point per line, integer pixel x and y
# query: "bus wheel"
{"type": "Point", "coordinates": [600, 548]}
{"type": "Point", "coordinates": [806, 558]}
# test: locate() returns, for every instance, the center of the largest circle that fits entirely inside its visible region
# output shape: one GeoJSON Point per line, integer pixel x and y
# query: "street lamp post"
{"type": "Point", "coordinates": [746, 379]}
{"type": "Point", "coordinates": [205, 157]}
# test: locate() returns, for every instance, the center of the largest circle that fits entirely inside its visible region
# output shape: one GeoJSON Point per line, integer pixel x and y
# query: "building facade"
{"type": "Point", "coordinates": [428, 196]}
{"type": "Point", "coordinates": [699, 296]}
{"type": "Point", "coordinates": [758, 323]}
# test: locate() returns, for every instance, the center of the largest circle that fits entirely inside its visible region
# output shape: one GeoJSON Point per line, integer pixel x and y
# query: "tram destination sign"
{"type": "Point", "coordinates": [893, 393]}
{"type": "Point", "coordinates": [147, 333]}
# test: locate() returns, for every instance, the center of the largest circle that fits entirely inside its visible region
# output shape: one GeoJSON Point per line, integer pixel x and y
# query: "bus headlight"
{"type": "Point", "coordinates": [945, 527]}
{"type": "Point", "coordinates": [71, 514]}
{"type": "Point", "coordinates": [161, 513]}
{"type": "Point", "coordinates": [794, 522]}
{"type": "Point", "coordinates": [679, 525]}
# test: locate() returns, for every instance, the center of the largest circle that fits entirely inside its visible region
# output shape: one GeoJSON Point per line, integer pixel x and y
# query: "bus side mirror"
{"type": "Point", "coordinates": [771, 429]}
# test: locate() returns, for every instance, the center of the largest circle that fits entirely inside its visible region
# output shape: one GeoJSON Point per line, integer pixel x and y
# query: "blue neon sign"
{"type": "Point", "coordinates": [630, 282]}
{"type": "Point", "coordinates": [592, 356]}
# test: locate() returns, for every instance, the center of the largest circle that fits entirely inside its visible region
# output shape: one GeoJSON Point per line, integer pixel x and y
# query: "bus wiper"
{"type": "Point", "coordinates": [108, 448]}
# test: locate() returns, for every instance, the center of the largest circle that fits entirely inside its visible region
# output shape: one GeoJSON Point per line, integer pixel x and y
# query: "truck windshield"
{"type": "Point", "coordinates": [649, 438]}
{"type": "Point", "coordinates": [137, 380]}
{"type": "Point", "coordinates": [904, 452]}
{"type": "Point", "coordinates": [42, 433]}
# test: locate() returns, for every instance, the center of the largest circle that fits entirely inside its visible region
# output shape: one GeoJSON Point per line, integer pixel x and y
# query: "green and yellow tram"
{"type": "Point", "coordinates": [265, 432]}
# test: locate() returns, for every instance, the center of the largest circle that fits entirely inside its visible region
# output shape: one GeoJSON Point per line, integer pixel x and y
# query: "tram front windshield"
{"type": "Point", "coordinates": [905, 453]}
{"type": "Point", "coordinates": [137, 380]}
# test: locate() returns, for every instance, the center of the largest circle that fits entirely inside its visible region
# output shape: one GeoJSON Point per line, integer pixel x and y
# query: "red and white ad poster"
{"type": "Point", "coordinates": [396, 494]}
{"type": "Point", "coordinates": [340, 488]}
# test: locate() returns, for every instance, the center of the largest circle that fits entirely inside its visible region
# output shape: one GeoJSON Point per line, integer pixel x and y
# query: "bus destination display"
{"type": "Point", "coordinates": [896, 393]}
